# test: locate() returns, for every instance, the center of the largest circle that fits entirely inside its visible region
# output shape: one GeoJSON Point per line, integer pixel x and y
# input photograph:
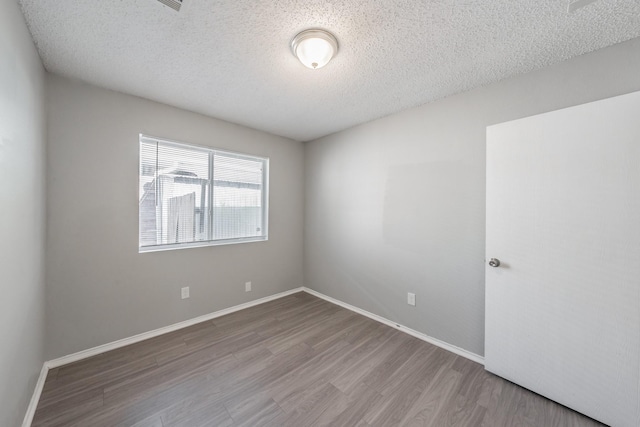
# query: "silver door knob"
{"type": "Point", "coordinates": [494, 262]}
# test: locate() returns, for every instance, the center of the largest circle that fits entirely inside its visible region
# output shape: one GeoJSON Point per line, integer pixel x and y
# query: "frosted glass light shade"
{"type": "Point", "coordinates": [314, 48]}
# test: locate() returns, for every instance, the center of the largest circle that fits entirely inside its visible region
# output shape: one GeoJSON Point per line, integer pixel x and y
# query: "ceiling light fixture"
{"type": "Point", "coordinates": [314, 48]}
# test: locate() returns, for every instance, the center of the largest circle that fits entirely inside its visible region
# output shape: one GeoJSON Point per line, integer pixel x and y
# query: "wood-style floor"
{"type": "Point", "coordinates": [297, 361]}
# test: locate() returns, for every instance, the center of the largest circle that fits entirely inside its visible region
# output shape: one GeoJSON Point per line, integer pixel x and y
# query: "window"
{"type": "Point", "coordinates": [196, 196]}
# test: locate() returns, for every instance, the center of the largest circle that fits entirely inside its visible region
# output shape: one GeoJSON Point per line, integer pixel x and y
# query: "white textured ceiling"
{"type": "Point", "coordinates": [230, 59]}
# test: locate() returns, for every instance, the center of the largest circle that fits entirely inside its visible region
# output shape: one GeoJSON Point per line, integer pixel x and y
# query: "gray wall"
{"type": "Point", "coordinates": [99, 289]}
{"type": "Point", "coordinates": [398, 205]}
{"type": "Point", "coordinates": [22, 207]}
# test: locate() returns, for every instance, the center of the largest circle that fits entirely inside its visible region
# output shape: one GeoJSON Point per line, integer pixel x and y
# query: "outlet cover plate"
{"type": "Point", "coordinates": [184, 292]}
{"type": "Point", "coordinates": [411, 298]}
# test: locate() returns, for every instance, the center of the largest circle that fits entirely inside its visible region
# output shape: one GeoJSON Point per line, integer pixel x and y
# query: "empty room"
{"type": "Point", "coordinates": [304, 213]}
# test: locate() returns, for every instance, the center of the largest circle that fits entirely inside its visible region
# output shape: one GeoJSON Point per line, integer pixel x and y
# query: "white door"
{"type": "Point", "coordinates": [563, 219]}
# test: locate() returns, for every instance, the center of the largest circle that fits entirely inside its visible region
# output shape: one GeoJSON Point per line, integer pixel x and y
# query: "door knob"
{"type": "Point", "coordinates": [494, 262]}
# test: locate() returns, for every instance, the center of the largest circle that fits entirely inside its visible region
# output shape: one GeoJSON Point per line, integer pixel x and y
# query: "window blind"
{"type": "Point", "coordinates": [192, 195]}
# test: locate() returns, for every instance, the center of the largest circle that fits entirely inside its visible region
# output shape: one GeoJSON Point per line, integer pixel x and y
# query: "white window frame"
{"type": "Point", "coordinates": [212, 242]}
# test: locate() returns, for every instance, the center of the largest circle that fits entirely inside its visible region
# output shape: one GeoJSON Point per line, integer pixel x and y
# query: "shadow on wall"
{"type": "Point", "coordinates": [427, 206]}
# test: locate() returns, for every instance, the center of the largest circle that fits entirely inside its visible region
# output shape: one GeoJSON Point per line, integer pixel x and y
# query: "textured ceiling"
{"type": "Point", "coordinates": [230, 59]}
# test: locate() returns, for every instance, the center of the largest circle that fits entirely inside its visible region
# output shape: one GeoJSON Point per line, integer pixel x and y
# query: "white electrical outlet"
{"type": "Point", "coordinates": [184, 292]}
{"type": "Point", "coordinates": [411, 298]}
{"type": "Point", "coordinates": [247, 287]}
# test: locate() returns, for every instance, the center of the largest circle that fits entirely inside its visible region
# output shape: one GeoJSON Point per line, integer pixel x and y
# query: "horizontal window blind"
{"type": "Point", "coordinates": [192, 195]}
{"type": "Point", "coordinates": [237, 197]}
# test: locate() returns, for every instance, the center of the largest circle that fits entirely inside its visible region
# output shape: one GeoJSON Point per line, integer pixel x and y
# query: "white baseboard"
{"type": "Point", "coordinates": [65, 360]}
{"type": "Point", "coordinates": [424, 337]}
{"type": "Point", "coordinates": [35, 398]}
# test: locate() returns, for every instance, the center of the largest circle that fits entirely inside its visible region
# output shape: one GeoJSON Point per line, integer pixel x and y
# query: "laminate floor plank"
{"type": "Point", "coordinates": [313, 406]}
{"type": "Point", "coordinates": [154, 421]}
{"type": "Point", "coordinates": [475, 381]}
{"type": "Point", "coordinates": [353, 366]}
{"type": "Point", "coordinates": [392, 363]}
{"type": "Point", "coordinates": [128, 412]}
{"type": "Point", "coordinates": [361, 401]}
{"type": "Point", "coordinates": [69, 411]}
{"type": "Point", "coordinates": [216, 347]}
{"type": "Point", "coordinates": [433, 405]}
{"type": "Point", "coordinates": [440, 405]}
{"type": "Point", "coordinates": [362, 366]}
{"type": "Point", "coordinates": [405, 398]}
{"type": "Point", "coordinates": [297, 379]}
{"type": "Point", "coordinates": [306, 333]}
{"type": "Point", "coordinates": [198, 409]}
{"type": "Point", "coordinates": [63, 390]}
{"type": "Point", "coordinates": [260, 413]}
{"type": "Point", "coordinates": [211, 416]}
{"type": "Point", "coordinates": [165, 378]}
{"type": "Point", "coordinates": [338, 328]}
{"type": "Point", "coordinates": [302, 319]}
{"type": "Point", "coordinates": [363, 329]}
{"type": "Point", "coordinates": [297, 361]}
{"type": "Point", "coordinates": [428, 358]}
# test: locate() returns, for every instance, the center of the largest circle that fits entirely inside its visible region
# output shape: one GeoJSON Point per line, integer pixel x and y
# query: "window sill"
{"type": "Point", "coordinates": [160, 248]}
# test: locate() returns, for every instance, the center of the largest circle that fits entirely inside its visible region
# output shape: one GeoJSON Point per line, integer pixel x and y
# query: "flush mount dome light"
{"type": "Point", "coordinates": [314, 48]}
